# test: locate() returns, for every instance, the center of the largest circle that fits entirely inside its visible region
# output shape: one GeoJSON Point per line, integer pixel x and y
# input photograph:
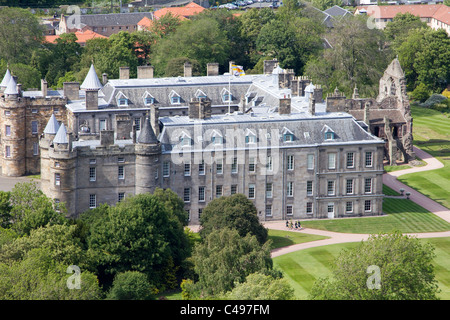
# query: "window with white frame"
{"type": "Point", "coordinates": [7, 130]}
{"type": "Point", "coordinates": [34, 127]}
{"type": "Point", "coordinates": [234, 165]}
{"type": "Point", "coordinates": [120, 196]}
{"type": "Point", "coordinates": [309, 207]}
{"type": "Point", "coordinates": [368, 159]}
{"type": "Point", "coordinates": [368, 185]}
{"type": "Point", "coordinates": [174, 97]}
{"type": "Point", "coordinates": [349, 207]}
{"type": "Point", "coordinates": [269, 187]}
{"type": "Point", "coordinates": [8, 151]}
{"type": "Point", "coordinates": [57, 179]}
{"type": "Point", "coordinates": [330, 188]}
{"type": "Point", "coordinates": [166, 168]}
{"type": "Point", "coordinates": [102, 124]}
{"type": "Point", "coordinates": [290, 162]}
{"type": "Point", "coordinates": [219, 166]}
{"type": "Point", "coordinates": [187, 194]}
{"type": "Point", "coordinates": [92, 201]}
{"type": "Point", "coordinates": [310, 162]}
{"type": "Point", "coordinates": [252, 164]}
{"type": "Point", "coordinates": [233, 189]}
{"type": "Point", "coordinates": [332, 161]}
{"type": "Point", "coordinates": [350, 160]}
{"type": "Point", "coordinates": [290, 189]}
{"type": "Point", "coordinates": [289, 210]}
{"type": "Point", "coordinates": [226, 95]}
{"type": "Point", "coordinates": [349, 186]}
{"type": "Point", "coordinates": [121, 172]}
{"type": "Point", "coordinates": [187, 169]}
{"type": "Point", "coordinates": [201, 193]}
{"type": "Point", "coordinates": [330, 207]}
{"type": "Point", "coordinates": [219, 191]}
{"type": "Point", "coordinates": [368, 205]}
{"type": "Point", "coordinates": [268, 210]}
{"type": "Point", "coordinates": [92, 174]}
{"type": "Point", "coordinates": [309, 188]}
{"type": "Point", "coordinates": [269, 163]}
{"type": "Point", "coordinates": [251, 191]}
{"type": "Point", "coordinates": [201, 167]}
{"type": "Point", "coordinates": [137, 123]}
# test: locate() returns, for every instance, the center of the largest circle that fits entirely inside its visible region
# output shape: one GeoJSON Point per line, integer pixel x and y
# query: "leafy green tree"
{"type": "Point", "coordinates": [61, 240]}
{"type": "Point", "coordinates": [173, 203]}
{"type": "Point", "coordinates": [20, 34]}
{"type": "Point", "coordinates": [397, 30]}
{"type": "Point", "coordinates": [32, 209]}
{"type": "Point", "coordinates": [131, 285]}
{"type": "Point", "coordinates": [224, 258]}
{"type": "Point", "coordinates": [325, 4]}
{"type": "Point", "coordinates": [357, 57]}
{"type": "Point", "coordinates": [234, 212]}
{"type": "Point", "coordinates": [291, 38]}
{"type": "Point", "coordinates": [210, 45]}
{"type": "Point", "coordinates": [388, 266]}
{"type": "Point", "coordinates": [138, 234]}
{"type": "Point", "coordinates": [165, 25]}
{"type": "Point", "coordinates": [258, 286]}
{"type": "Point", "coordinates": [420, 93]}
{"type": "Point", "coordinates": [38, 277]}
{"type": "Point", "coordinates": [5, 209]}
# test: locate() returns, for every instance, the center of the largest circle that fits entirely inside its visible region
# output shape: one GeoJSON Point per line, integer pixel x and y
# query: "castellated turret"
{"type": "Point", "coordinates": [148, 151]}
{"type": "Point", "coordinates": [59, 166]}
{"type": "Point", "coordinates": [12, 109]}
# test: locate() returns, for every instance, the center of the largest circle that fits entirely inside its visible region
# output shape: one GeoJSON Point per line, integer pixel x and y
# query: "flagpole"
{"type": "Point", "coordinates": [229, 92]}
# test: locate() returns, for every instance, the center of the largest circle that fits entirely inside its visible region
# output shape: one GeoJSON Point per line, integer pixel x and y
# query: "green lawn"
{"type": "Point", "coordinates": [389, 191]}
{"type": "Point", "coordinates": [402, 215]}
{"type": "Point", "coordinates": [287, 238]}
{"type": "Point", "coordinates": [302, 268]}
{"type": "Point", "coordinates": [431, 132]}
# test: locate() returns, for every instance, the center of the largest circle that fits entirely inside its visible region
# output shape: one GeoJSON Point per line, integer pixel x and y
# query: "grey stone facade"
{"type": "Point", "coordinates": [271, 137]}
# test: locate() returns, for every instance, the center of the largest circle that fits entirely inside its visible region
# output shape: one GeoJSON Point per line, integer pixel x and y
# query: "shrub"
{"type": "Point", "coordinates": [433, 100]}
{"type": "Point", "coordinates": [420, 93]}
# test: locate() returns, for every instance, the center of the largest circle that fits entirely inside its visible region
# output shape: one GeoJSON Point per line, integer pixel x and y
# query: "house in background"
{"type": "Point", "coordinates": [82, 37]}
{"type": "Point", "coordinates": [437, 16]}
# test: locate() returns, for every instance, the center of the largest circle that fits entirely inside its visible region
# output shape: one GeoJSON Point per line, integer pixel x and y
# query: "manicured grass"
{"type": "Point", "coordinates": [396, 168]}
{"type": "Point", "coordinates": [431, 132]}
{"type": "Point", "coordinates": [287, 238]}
{"type": "Point", "coordinates": [402, 215]}
{"type": "Point", "coordinates": [302, 268]}
{"type": "Point", "coordinates": [389, 191]}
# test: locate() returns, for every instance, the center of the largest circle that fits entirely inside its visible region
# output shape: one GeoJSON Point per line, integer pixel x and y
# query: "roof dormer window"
{"type": "Point", "coordinates": [328, 133]}
{"type": "Point", "coordinates": [174, 97]}
{"type": "Point", "coordinates": [226, 95]}
{"type": "Point", "coordinates": [250, 136]}
{"type": "Point", "coordinates": [216, 137]}
{"type": "Point", "coordinates": [122, 100]}
{"type": "Point", "coordinates": [148, 99]}
{"type": "Point", "coordinates": [200, 94]}
{"type": "Point", "coordinates": [288, 135]}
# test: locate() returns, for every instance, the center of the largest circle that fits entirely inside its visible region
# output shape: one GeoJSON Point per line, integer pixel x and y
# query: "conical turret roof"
{"type": "Point", "coordinates": [6, 79]}
{"type": "Point", "coordinates": [91, 82]}
{"type": "Point", "coordinates": [52, 126]}
{"type": "Point", "coordinates": [147, 136]}
{"type": "Point", "coordinates": [61, 135]}
{"type": "Point", "coordinates": [12, 87]}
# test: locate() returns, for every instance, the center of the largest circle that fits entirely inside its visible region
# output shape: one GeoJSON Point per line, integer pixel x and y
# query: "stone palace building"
{"type": "Point", "coordinates": [270, 136]}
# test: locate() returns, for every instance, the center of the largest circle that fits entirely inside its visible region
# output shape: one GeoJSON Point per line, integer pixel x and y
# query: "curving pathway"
{"type": "Point", "coordinates": [389, 179]}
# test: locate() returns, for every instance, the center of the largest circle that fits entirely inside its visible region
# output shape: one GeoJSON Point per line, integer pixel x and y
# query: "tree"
{"type": "Point", "coordinates": [32, 209]}
{"type": "Point", "coordinates": [397, 30]}
{"type": "Point", "coordinates": [224, 258]}
{"type": "Point", "coordinates": [388, 266]}
{"type": "Point", "coordinates": [61, 240]}
{"type": "Point", "coordinates": [325, 4]}
{"type": "Point", "coordinates": [234, 212]}
{"type": "Point", "coordinates": [5, 209]}
{"type": "Point", "coordinates": [131, 285]}
{"type": "Point", "coordinates": [138, 234]}
{"type": "Point", "coordinates": [39, 277]}
{"type": "Point", "coordinates": [357, 58]}
{"type": "Point", "coordinates": [258, 286]}
{"type": "Point", "coordinates": [210, 45]}
{"type": "Point", "coordinates": [173, 203]}
{"type": "Point", "coordinates": [20, 34]}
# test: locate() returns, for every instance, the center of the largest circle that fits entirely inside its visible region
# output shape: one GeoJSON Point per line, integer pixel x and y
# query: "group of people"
{"type": "Point", "coordinates": [291, 225]}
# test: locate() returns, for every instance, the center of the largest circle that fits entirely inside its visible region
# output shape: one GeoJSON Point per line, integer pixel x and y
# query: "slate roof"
{"type": "Point", "coordinates": [52, 125]}
{"type": "Point", "coordinates": [91, 82]}
{"type": "Point", "coordinates": [147, 136]}
{"type": "Point", "coordinates": [12, 87]}
{"type": "Point", "coordinates": [308, 131]}
{"type": "Point", "coordinates": [6, 79]}
{"type": "Point", "coordinates": [61, 135]}
{"type": "Point", "coordinates": [114, 19]}
{"type": "Point", "coordinates": [376, 116]}
{"type": "Point", "coordinates": [337, 11]}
